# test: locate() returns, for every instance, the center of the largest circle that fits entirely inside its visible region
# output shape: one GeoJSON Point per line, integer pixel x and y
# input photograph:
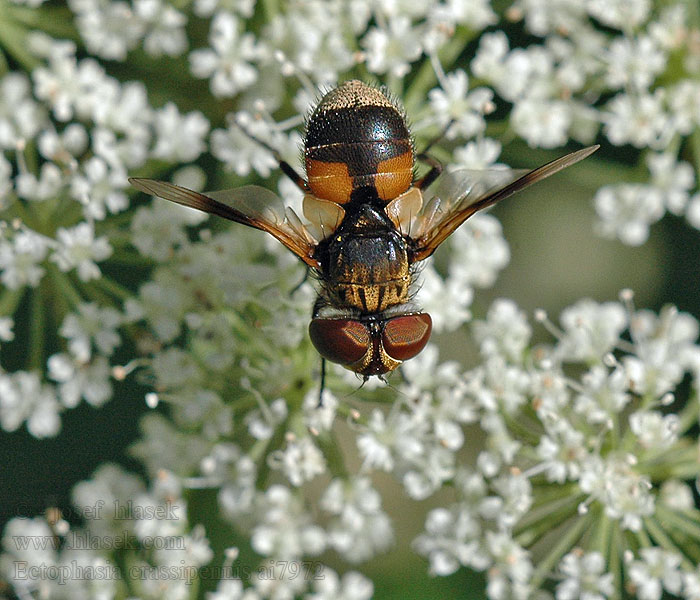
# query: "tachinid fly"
{"type": "Point", "coordinates": [366, 222]}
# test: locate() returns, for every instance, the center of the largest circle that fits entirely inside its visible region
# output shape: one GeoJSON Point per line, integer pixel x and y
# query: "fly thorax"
{"type": "Point", "coordinates": [367, 265]}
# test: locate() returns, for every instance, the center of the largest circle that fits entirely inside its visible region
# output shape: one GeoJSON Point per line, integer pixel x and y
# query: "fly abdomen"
{"type": "Point", "coordinates": [357, 138]}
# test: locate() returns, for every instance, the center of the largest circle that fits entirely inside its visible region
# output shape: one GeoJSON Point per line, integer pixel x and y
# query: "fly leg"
{"type": "Point", "coordinates": [323, 383]}
{"type": "Point", "coordinates": [286, 168]}
{"type": "Point", "coordinates": [435, 165]}
{"type": "Point", "coordinates": [295, 289]}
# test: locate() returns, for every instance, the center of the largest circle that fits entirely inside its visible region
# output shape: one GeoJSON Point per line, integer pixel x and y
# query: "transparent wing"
{"type": "Point", "coordinates": [459, 194]}
{"type": "Point", "coordinates": [250, 205]}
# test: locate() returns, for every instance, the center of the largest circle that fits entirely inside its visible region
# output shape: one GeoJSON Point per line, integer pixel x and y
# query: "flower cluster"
{"type": "Point", "coordinates": [559, 458]}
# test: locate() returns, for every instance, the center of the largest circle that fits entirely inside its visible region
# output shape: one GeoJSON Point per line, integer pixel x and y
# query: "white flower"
{"type": "Point", "coordinates": [284, 530]}
{"type": "Point", "coordinates": [542, 123]}
{"type": "Point", "coordinates": [505, 331]}
{"type": "Point", "coordinates": [239, 152]}
{"type": "Point", "coordinates": [584, 577]}
{"type": "Point", "coordinates": [452, 538]}
{"type": "Point", "coordinates": [323, 51]}
{"type": "Point", "coordinates": [65, 146]}
{"type": "Point", "coordinates": [562, 453]}
{"type": "Point", "coordinates": [262, 423]}
{"type": "Point", "coordinates": [157, 230]}
{"type": "Point", "coordinates": [34, 555]}
{"type": "Point", "coordinates": [674, 179]}
{"type": "Point", "coordinates": [359, 528]}
{"type": "Point", "coordinates": [479, 252]}
{"type": "Point", "coordinates": [543, 17]}
{"type": "Point", "coordinates": [453, 101]}
{"type": "Point", "coordinates": [352, 586]}
{"type": "Point", "coordinates": [5, 182]}
{"type": "Point", "coordinates": [6, 325]}
{"type": "Point", "coordinates": [475, 14]}
{"type": "Point", "coordinates": [23, 397]}
{"type": "Point", "coordinates": [91, 325]}
{"type": "Point", "coordinates": [228, 588]}
{"type": "Point", "coordinates": [604, 394]}
{"type": "Point", "coordinates": [657, 570]}
{"type": "Point", "coordinates": [507, 71]}
{"type": "Point", "coordinates": [512, 567]}
{"type": "Point", "coordinates": [591, 329]}
{"type": "Point", "coordinates": [638, 120]}
{"type": "Point", "coordinates": [227, 63]}
{"type": "Point", "coordinates": [623, 14]}
{"type": "Point", "coordinates": [691, 584]}
{"type": "Point", "coordinates": [677, 495]}
{"type": "Point", "coordinates": [99, 189]}
{"type": "Point", "coordinates": [669, 27]}
{"type": "Point", "coordinates": [165, 27]}
{"type": "Point", "coordinates": [109, 29]}
{"type": "Point", "coordinates": [300, 461]}
{"type": "Point", "coordinates": [383, 442]}
{"type": "Point", "coordinates": [45, 187]}
{"type": "Point", "coordinates": [76, 380]}
{"type": "Point", "coordinates": [693, 211]}
{"type": "Point", "coordinates": [497, 384]}
{"type": "Point", "coordinates": [626, 210]}
{"type": "Point", "coordinates": [124, 110]}
{"type": "Point", "coordinates": [447, 302]}
{"type": "Point", "coordinates": [236, 472]}
{"type": "Point", "coordinates": [634, 63]}
{"type": "Point", "coordinates": [654, 430]}
{"type": "Point", "coordinates": [275, 578]}
{"type": "Point", "coordinates": [103, 499]}
{"type": "Point", "coordinates": [79, 249]}
{"type": "Point", "coordinates": [624, 493]}
{"type": "Point", "coordinates": [684, 104]}
{"type": "Point", "coordinates": [478, 154]}
{"type": "Point", "coordinates": [320, 418]}
{"type": "Point", "coordinates": [423, 475]}
{"type": "Point", "coordinates": [20, 258]}
{"type": "Point", "coordinates": [392, 49]}
{"type": "Point", "coordinates": [179, 138]}
{"type": "Point", "coordinates": [21, 118]}
{"type": "Point", "coordinates": [663, 345]}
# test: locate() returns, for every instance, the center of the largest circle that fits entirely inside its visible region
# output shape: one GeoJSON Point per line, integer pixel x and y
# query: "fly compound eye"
{"type": "Point", "coordinates": [342, 341]}
{"type": "Point", "coordinates": [405, 336]}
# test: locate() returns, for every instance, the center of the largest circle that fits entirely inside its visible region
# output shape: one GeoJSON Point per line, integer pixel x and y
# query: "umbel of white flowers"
{"type": "Point", "coordinates": [558, 462]}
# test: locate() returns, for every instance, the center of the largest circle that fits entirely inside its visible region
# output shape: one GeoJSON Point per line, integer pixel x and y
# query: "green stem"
{"type": "Point", "coordinates": [566, 542]}
{"type": "Point", "coordinates": [685, 522]}
{"type": "Point", "coordinates": [525, 428]}
{"type": "Point", "coordinates": [680, 462]}
{"type": "Point", "coordinates": [9, 300]}
{"type": "Point", "coordinates": [425, 78]}
{"type": "Point", "coordinates": [13, 38]}
{"type": "Point", "coordinates": [643, 539]}
{"type": "Point", "coordinates": [552, 492]}
{"type": "Point", "coordinates": [57, 21]}
{"type": "Point", "coordinates": [695, 145]}
{"type": "Point", "coordinates": [37, 333]}
{"type": "Point", "coordinates": [615, 560]}
{"type": "Point", "coordinates": [115, 289]}
{"type": "Point", "coordinates": [331, 451]}
{"type": "Point", "coordinates": [540, 522]}
{"type": "Point", "coordinates": [690, 414]}
{"type": "Point", "coordinates": [663, 540]}
{"type": "Point", "coordinates": [4, 67]}
{"type": "Point", "coordinates": [65, 286]}
{"type": "Point", "coordinates": [602, 534]}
